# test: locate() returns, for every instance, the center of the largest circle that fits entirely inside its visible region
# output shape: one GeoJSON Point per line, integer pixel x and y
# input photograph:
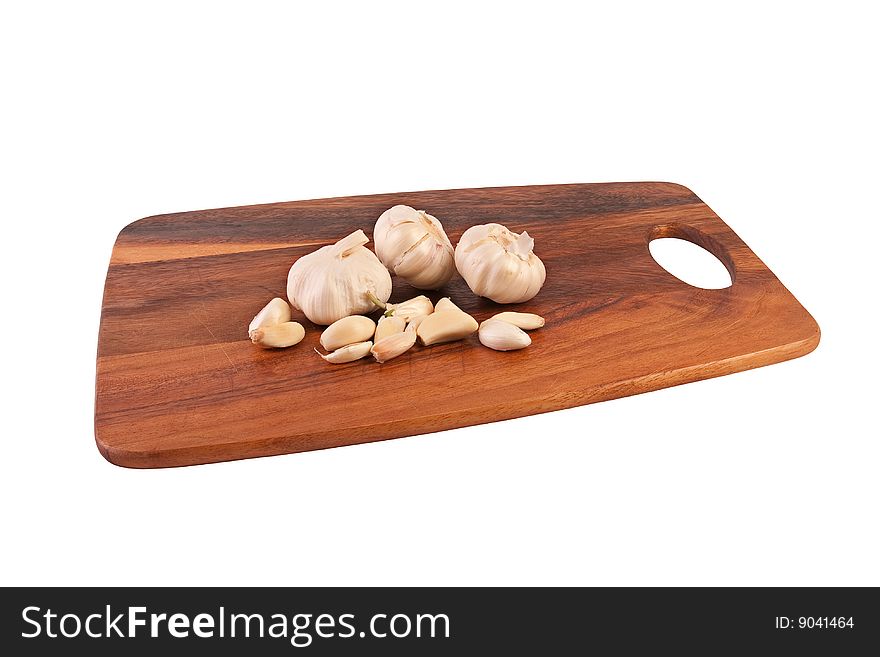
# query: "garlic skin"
{"type": "Point", "coordinates": [413, 245]}
{"type": "Point", "coordinates": [499, 264]}
{"type": "Point", "coordinates": [338, 280]}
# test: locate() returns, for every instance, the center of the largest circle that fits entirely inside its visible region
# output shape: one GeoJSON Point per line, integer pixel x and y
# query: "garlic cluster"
{"type": "Point", "coordinates": [354, 337]}
{"type": "Point", "coordinates": [396, 330]}
{"type": "Point", "coordinates": [272, 328]}
{"type": "Point", "coordinates": [413, 245]}
{"type": "Point", "coordinates": [499, 264]}
{"type": "Point", "coordinates": [337, 285]}
{"type": "Point", "coordinates": [338, 280]}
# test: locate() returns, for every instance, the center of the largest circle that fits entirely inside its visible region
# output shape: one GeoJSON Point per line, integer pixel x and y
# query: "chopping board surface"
{"type": "Point", "coordinates": [179, 382]}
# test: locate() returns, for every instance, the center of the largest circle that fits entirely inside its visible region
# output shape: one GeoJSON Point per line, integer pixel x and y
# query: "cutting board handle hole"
{"type": "Point", "coordinates": [692, 256]}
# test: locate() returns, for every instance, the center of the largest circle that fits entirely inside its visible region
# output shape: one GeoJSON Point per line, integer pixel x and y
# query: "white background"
{"type": "Point", "coordinates": [768, 111]}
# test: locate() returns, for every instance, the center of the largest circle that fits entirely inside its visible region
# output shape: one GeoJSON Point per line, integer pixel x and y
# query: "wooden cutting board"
{"type": "Point", "coordinates": [179, 383]}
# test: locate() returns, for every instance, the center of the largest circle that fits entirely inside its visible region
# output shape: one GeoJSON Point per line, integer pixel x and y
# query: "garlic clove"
{"type": "Point", "coordinates": [392, 346]}
{"type": "Point", "coordinates": [397, 230]}
{"type": "Point", "coordinates": [445, 326]}
{"type": "Point", "coordinates": [338, 280]}
{"type": "Point", "coordinates": [498, 264]}
{"type": "Point", "coordinates": [388, 326]}
{"type": "Point", "coordinates": [525, 321]}
{"type": "Point", "coordinates": [420, 305]}
{"type": "Point", "coordinates": [275, 312]}
{"type": "Point", "coordinates": [446, 304]}
{"type": "Point", "coordinates": [414, 322]}
{"type": "Point", "coordinates": [285, 334]}
{"type": "Point", "coordinates": [427, 266]}
{"type": "Point", "coordinates": [413, 245]}
{"type": "Point", "coordinates": [503, 336]}
{"type": "Point", "coordinates": [348, 330]}
{"type": "Point", "coordinates": [347, 353]}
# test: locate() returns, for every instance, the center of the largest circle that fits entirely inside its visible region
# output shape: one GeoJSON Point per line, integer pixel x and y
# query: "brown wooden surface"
{"type": "Point", "coordinates": [178, 381]}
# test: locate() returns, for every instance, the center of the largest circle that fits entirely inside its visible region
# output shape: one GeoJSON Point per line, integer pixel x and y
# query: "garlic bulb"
{"type": "Point", "coordinates": [338, 280]}
{"type": "Point", "coordinates": [414, 246]}
{"type": "Point", "coordinates": [499, 264]}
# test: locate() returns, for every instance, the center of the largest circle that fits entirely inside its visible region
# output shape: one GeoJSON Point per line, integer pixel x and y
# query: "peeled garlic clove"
{"type": "Point", "coordinates": [413, 245]}
{"type": "Point", "coordinates": [285, 334]}
{"type": "Point", "coordinates": [348, 330]}
{"type": "Point", "coordinates": [502, 336]}
{"type": "Point", "coordinates": [414, 322]}
{"type": "Point", "coordinates": [275, 312]}
{"type": "Point", "coordinates": [445, 326]}
{"type": "Point", "coordinates": [525, 321]}
{"type": "Point", "coordinates": [446, 304]}
{"type": "Point", "coordinates": [389, 326]}
{"type": "Point", "coordinates": [499, 264]}
{"type": "Point", "coordinates": [392, 346]}
{"type": "Point", "coordinates": [347, 353]}
{"type": "Point", "coordinates": [420, 305]}
{"type": "Point", "coordinates": [338, 280]}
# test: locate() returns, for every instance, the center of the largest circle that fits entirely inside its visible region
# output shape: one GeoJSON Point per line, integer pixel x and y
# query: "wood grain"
{"type": "Point", "coordinates": [179, 383]}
